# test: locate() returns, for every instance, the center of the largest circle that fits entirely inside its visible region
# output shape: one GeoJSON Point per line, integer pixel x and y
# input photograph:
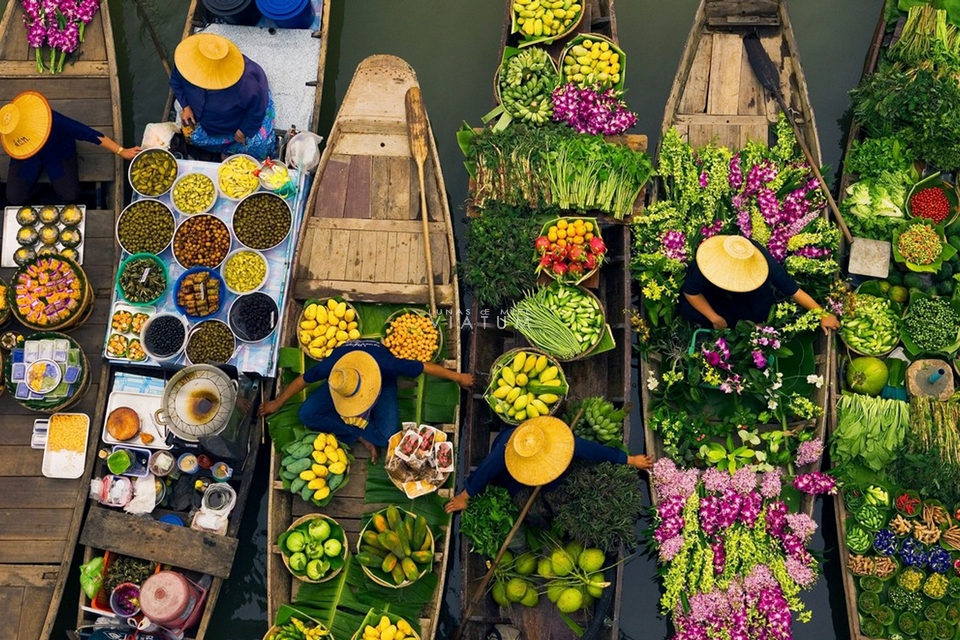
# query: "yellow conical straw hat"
{"type": "Point", "coordinates": [539, 451]}
{"type": "Point", "coordinates": [732, 263]}
{"type": "Point", "coordinates": [25, 124]}
{"type": "Point", "coordinates": [354, 382]}
{"type": "Point", "coordinates": [209, 61]}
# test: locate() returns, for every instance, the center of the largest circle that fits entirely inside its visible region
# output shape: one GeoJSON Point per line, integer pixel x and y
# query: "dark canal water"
{"type": "Point", "coordinates": [453, 46]}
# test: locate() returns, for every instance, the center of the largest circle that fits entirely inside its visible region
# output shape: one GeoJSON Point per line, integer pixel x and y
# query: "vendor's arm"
{"type": "Point", "coordinates": [828, 321]}
{"type": "Point", "coordinates": [493, 466]}
{"type": "Point", "coordinates": [292, 389]}
{"type": "Point", "coordinates": [588, 450]}
{"type": "Point", "coordinates": [699, 302]}
{"type": "Point", "coordinates": [465, 380]}
{"type": "Point", "coordinates": [78, 131]}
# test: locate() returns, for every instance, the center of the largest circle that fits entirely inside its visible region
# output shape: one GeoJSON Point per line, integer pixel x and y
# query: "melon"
{"type": "Point", "coordinates": [867, 375]}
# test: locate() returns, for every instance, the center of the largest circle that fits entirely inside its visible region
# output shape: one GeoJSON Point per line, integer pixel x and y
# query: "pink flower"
{"type": "Point", "coordinates": [715, 480]}
{"type": "Point", "coordinates": [815, 483]}
{"type": "Point", "coordinates": [800, 572]}
{"type": "Point", "coordinates": [670, 548]}
{"type": "Point", "coordinates": [809, 452]}
{"type": "Point", "coordinates": [802, 525]}
{"type": "Point", "coordinates": [744, 480]}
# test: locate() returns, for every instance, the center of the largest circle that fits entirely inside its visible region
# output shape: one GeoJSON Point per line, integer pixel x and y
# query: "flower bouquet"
{"type": "Point", "coordinates": [58, 25]}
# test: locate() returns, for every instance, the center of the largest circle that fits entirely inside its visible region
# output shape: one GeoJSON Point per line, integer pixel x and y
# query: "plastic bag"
{"type": "Point", "coordinates": [91, 577]}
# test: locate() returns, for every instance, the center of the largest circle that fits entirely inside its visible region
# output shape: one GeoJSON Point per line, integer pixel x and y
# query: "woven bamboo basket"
{"type": "Point", "coordinates": [373, 574]}
{"type": "Point", "coordinates": [307, 518]}
{"type": "Point", "coordinates": [81, 315]}
{"type": "Point", "coordinates": [82, 384]}
{"type": "Point", "coordinates": [373, 617]}
{"type": "Point", "coordinates": [504, 361]}
{"type": "Point", "coordinates": [300, 318]}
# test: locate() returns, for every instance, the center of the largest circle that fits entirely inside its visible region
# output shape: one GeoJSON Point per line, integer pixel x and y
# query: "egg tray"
{"type": "Point", "coordinates": [9, 244]}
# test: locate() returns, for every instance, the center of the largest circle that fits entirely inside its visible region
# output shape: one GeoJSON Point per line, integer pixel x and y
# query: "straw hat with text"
{"type": "Point", "coordinates": [732, 263]}
{"type": "Point", "coordinates": [25, 124]}
{"type": "Point", "coordinates": [354, 384]}
{"type": "Point", "coordinates": [209, 61]}
{"type": "Point", "coordinates": [539, 450]}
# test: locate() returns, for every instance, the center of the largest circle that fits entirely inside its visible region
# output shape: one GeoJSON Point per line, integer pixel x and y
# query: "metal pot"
{"type": "Point", "coordinates": [197, 402]}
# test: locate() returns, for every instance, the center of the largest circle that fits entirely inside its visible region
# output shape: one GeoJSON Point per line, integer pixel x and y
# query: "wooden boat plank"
{"type": "Point", "coordinates": [373, 292]}
{"type": "Point", "coordinates": [723, 96]}
{"type": "Point", "coordinates": [742, 12]}
{"type": "Point", "coordinates": [693, 93]}
{"type": "Point", "coordinates": [351, 249]}
{"type": "Point", "coordinates": [404, 191]}
{"type": "Point", "coordinates": [361, 144]}
{"type": "Point", "coordinates": [183, 547]}
{"type": "Point", "coordinates": [34, 524]}
{"type": "Point", "coordinates": [63, 89]}
{"type": "Point", "coordinates": [330, 201]}
{"type": "Point", "coordinates": [358, 205]}
{"type": "Point", "coordinates": [40, 552]}
{"type": "Point", "coordinates": [21, 492]}
{"type": "Point", "coordinates": [27, 576]}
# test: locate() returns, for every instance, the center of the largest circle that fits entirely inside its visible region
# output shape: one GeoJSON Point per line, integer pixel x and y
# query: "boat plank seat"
{"type": "Point", "coordinates": [149, 539]}
{"type": "Point", "coordinates": [742, 13]}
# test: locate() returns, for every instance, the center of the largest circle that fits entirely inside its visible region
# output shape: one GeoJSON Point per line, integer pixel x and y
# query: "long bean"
{"type": "Point", "coordinates": [543, 328]}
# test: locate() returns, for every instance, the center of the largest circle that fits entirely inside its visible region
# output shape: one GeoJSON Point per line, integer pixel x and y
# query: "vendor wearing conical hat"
{"type": "Point", "coordinates": [39, 139]}
{"type": "Point", "coordinates": [226, 104]}
{"type": "Point", "coordinates": [536, 453]}
{"type": "Point", "coordinates": [358, 403]}
{"type": "Point", "coordinates": [734, 278]}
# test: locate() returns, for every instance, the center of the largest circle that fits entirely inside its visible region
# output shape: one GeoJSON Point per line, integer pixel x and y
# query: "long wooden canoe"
{"type": "Point", "coordinates": [362, 238]}
{"type": "Point", "coordinates": [717, 97]}
{"type": "Point", "coordinates": [882, 38]}
{"type": "Point", "coordinates": [205, 558]}
{"type": "Point", "coordinates": [40, 517]}
{"type": "Point", "coordinates": [606, 374]}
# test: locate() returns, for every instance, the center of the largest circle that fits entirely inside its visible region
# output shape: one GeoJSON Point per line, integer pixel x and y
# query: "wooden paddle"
{"type": "Point", "coordinates": [769, 77]}
{"type": "Point", "coordinates": [417, 131]}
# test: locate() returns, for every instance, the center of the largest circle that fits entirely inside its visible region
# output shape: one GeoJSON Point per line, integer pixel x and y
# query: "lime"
{"type": "Point", "coordinates": [118, 462]}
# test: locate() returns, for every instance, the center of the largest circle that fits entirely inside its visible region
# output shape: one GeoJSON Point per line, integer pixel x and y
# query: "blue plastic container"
{"type": "Point", "coordinates": [288, 14]}
{"type": "Point", "coordinates": [240, 12]}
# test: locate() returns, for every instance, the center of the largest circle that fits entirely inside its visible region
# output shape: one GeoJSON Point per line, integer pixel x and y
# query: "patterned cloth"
{"type": "Point", "coordinates": [263, 144]}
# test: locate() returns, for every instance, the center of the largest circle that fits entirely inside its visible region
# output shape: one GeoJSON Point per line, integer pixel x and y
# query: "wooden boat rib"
{"type": "Point", "coordinates": [717, 97]}
{"type": "Point", "coordinates": [40, 517]}
{"type": "Point", "coordinates": [882, 38]}
{"type": "Point", "coordinates": [606, 374]}
{"type": "Point", "coordinates": [363, 239]}
{"type": "Point", "coordinates": [198, 553]}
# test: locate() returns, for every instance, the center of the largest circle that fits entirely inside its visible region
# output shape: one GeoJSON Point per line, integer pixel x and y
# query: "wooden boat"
{"type": "Point", "coordinates": [717, 97]}
{"type": "Point", "coordinates": [606, 374]}
{"type": "Point", "coordinates": [882, 38]}
{"type": "Point", "coordinates": [204, 558]}
{"type": "Point", "coordinates": [40, 517]}
{"type": "Point", "coordinates": [363, 239]}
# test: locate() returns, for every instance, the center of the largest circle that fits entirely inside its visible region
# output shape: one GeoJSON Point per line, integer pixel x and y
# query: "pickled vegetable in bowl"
{"type": "Point", "coordinates": [153, 172]}
{"type": "Point", "coordinates": [194, 193]}
{"type": "Point", "coordinates": [237, 178]}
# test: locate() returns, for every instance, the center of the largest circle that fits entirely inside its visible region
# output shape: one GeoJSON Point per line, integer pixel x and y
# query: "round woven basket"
{"type": "Point", "coordinates": [82, 383]}
{"type": "Point", "coordinates": [300, 319]}
{"type": "Point", "coordinates": [544, 230]}
{"type": "Point", "coordinates": [307, 518]}
{"type": "Point", "coordinates": [376, 578]}
{"type": "Point", "coordinates": [420, 312]}
{"type": "Point", "coordinates": [503, 361]}
{"type": "Point", "coordinates": [77, 319]}
{"type": "Point", "coordinates": [496, 79]}
{"type": "Point", "coordinates": [310, 623]}
{"type": "Point", "coordinates": [373, 618]}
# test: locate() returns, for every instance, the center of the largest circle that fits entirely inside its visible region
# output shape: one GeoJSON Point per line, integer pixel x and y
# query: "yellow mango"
{"type": "Point", "coordinates": [320, 470]}
{"type": "Point", "coordinates": [501, 392]}
{"type": "Point", "coordinates": [308, 324]}
{"type": "Point", "coordinates": [316, 343]}
{"type": "Point", "coordinates": [341, 310]}
{"type": "Point", "coordinates": [353, 334]}
{"type": "Point", "coordinates": [342, 336]}
{"type": "Point", "coordinates": [316, 354]}
{"type": "Point", "coordinates": [320, 314]}
{"type": "Point", "coordinates": [352, 325]}
{"type": "Point", "coordinates": [331, 305]}
{"type": "Point", "coordinates": [317, 483]}
{"type": "Point", "coordinates": [319, 457]}
{"type": "Point", "coordinates": [310, 312]}
{"type": "Point", "coordinates": [332, 441]}
{"type": "Point", "coordinates": [342, 325]}
{"type": "Point", "coordinates": [331, 343]}
{"type": "Point", "coordinates": [389, 633]}
{"type": "Point", "coordinates": [349, 315]}
{"type": "Point", "coordinates": [321, 493]}
{"type": "Point", "coordinates": [331, 453]}
{"type": "Point", "coordinates": [305, 338]}
{"type": "Point", "coordinates": [307, 475]}
{"type": "Point", "coordinates": [330, 332]}
{"type": "Point", "coordinates": [338, 468]}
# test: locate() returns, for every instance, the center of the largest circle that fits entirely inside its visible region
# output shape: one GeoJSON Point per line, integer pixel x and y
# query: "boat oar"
{"type": "Point", "coordinates": [417, 131]}
{"type": "Point", "coordinates": [482, 589]}
{"type": "Point", "coordinates": [153, 36]}
{"type": "Point", "coordinates": [769, 77]}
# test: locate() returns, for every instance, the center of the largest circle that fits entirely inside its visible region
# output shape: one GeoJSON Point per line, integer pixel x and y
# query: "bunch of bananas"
{"type": "Point", "coordinates": [526, 387]}
{"type": "Point", "coordinates": [295, 629]}
{"type": "Point", "coordinates": [394, 547]}
{"type": "Point", "coordinates": [386, 630]}
{"type": "Point", "coordinates": [545, 18]}
{"type": "Point", "coordinates": [527, 81]}
{"type": "Point", "coordinates": [325, 326]}
{"type": "Point", "coordinates": [314, 467]}
{"type": "Point", "coordinates": [600, 422]}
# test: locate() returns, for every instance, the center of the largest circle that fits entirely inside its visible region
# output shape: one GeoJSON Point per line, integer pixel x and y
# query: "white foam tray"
{"type": "Point", "coordinates": [145, 406]}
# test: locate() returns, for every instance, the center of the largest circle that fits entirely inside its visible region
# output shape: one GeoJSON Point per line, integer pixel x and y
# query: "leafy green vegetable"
{"type": "Point", "coordinates": [869, 430]}
{"type": "Point", "coordinates": [488, 519]}
{"type": "Point", "coordinates": [598, 505]}
{"type": "Point", "coordinates": [499, 265]}
{"type": "Point", "coordinates": [876, 204]}
{"type": "Point", "coordinates": [873, 157]}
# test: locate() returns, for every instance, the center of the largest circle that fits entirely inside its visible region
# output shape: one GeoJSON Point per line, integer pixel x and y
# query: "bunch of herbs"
{"type": "Point", "coordinates": [499, 266]}
{"type": "Point", "coordinates": [598, 505]}
{"type": "Point", "coordinates": [488, 519]}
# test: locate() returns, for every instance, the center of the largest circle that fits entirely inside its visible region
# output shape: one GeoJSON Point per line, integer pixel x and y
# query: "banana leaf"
{"type": "Point", "coordinates": [910, 347]}
{"type": "Point", "coordinates": [379, 489]}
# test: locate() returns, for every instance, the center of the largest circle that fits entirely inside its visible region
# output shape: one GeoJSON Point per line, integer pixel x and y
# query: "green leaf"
{"type": "Point", "coordinates": [379, 489]}
{"type": "Point", "coordinates": [291, 358]}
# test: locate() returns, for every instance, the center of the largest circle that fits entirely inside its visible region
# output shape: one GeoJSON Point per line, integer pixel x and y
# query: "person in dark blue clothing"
{"type": "Point", "coordinates": [226, 103]}
{"type": "Point", "coordinates": [358, 403]}
{"type": "Point", "coordinates": [536, 453]}
{"type": "Point", "coordinates": [39, 139]}
{"type": "Point", "coordinates": [735, 279]}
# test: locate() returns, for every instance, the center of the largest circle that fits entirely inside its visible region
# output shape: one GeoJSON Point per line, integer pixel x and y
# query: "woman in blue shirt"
{"type": "Point", "coordinates": [227, 106]}
{"type": "Point", "coordinates": [358, 403]}
{"type": "Point", "coordinates": [39, 139]}
{"type": "Point", "coordinates": [537, 452]}
{"type": "Point", "coordinates": [734, 279]}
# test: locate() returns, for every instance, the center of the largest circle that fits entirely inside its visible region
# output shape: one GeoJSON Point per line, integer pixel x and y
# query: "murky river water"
{"type": "Point", "coordinates": [453, 46]}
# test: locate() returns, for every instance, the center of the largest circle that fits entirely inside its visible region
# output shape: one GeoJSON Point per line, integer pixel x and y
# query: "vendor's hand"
{"type": "Point", "coordinates": [829, 322]}
{"type": "Point", "coordinates": [269, 407]}
{"type": "Point", "coordinates": [465, 380]}
{"type": "Point", "coordinates": [457, 503]}
{"type": "Point", "coordinates": [644, 463]}
{"type": "Point", "coordinates": [187, 117]}
{"type": "Point", "coordinates": [240, 137]}
{"type": "Point", "coordinates": [131, 153]}
{"type": "Point", "coordinates": [719, 323]}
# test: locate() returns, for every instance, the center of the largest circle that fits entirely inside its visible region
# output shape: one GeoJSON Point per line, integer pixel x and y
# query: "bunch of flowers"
{"type": "Point", "coordinates": [590, 111]}
{"type": "Point", "coordinates": [735, 556]}
{"type": "Point", "coordinates": [57, 24]}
